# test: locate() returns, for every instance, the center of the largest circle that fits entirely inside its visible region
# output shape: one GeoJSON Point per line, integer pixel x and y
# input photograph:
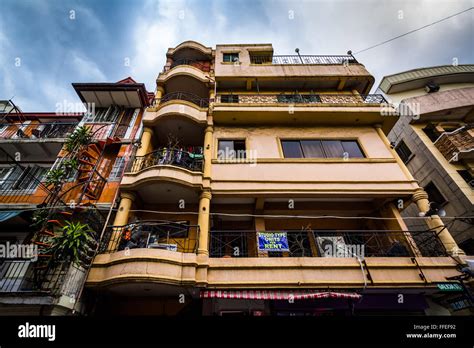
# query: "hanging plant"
{"type": "Point", "coordinates": [81, 136]}
{"type": "Point", "coordinates": [73, 244]}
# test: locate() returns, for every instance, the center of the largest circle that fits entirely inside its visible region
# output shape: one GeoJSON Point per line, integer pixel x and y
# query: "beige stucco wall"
{"type": "Point", "coordinates": [379, 171]}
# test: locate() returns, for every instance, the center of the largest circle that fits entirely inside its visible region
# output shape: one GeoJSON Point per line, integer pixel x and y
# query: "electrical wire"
{"type": "Point", "coordinates": [265, 215]}
{"type": "Point", "coordinates": [414, 30]}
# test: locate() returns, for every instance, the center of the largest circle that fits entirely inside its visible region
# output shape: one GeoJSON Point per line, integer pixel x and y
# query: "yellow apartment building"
{"type": "Point", "coordinates": [266, 185]}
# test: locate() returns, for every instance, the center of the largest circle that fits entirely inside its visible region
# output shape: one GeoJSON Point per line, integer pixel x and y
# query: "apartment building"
{"type": "Point", "coordinates": [59, 175]}
{"type": "Point", "coordinates": [436, 142]}
{"type": "Point", "coordinates": [266, 185]}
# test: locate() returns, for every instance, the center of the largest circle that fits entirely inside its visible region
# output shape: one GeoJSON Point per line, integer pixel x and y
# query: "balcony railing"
{"type": "Point", "coordinates": [165, 156]}
{"type": "Point", "coordinates": [308, 243]}
{"type": "Point", "coordinates": [458, 144]}
{"type": "Point", "coordinates": [22, 131]}
{"type": "Point", "coordinates": [192, 98]}
{"type": "Point", "coordinates": [303, 59]}
{"type": "Point", "coordinates": [275, 99]}
{"type": "Point", "coordinates": [202, 65]}
{"type": "Point", "coordinates": [156, 234]}
{"type": "Point", "coordinates": [19, 276]}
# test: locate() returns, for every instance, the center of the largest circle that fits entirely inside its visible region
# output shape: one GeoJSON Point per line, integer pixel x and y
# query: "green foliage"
{"type": "Point", "coordinates": [55, 177]}
{"type": "Point", "coordinates": [39, 218]}
{"type": "Point", "coordinates": [73, 244]}
{"type": "Point", "coordinates": [81, 136]}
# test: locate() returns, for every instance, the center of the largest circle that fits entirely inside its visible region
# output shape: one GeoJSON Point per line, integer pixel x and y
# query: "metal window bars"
{"type": "Point", "coordinates": [302, 59]}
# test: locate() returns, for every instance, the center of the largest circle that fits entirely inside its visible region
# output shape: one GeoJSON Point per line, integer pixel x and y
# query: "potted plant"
{"type": "Point", "coordinates": [81, 136]}
{"type": "Point", "coordinates": [75, 244]}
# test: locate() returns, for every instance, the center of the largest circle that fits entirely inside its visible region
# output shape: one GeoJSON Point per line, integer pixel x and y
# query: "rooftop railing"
{"type": "Point", "coordinates": [303, 59]}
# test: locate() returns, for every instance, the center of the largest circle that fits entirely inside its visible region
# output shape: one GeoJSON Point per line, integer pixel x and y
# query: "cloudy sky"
{"type": "Point", "coordinates": [47, 45]}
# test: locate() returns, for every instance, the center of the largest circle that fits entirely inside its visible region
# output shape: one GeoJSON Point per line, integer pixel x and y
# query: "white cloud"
{"type": "Point", "coordinates": [86, 69]}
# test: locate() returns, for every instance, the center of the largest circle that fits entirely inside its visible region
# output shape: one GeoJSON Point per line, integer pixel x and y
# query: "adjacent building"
{"type": "Point", "coordinates": [266, 185]}
{"type": "Point", "coordinates": [59, 174]}
{"type": "Point", "coordinates": [435, 139]}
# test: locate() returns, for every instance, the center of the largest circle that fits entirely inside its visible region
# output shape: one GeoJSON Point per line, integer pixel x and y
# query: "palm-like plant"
{"type": "Point", "coordinates": [75, 244]}
{"type": "Point", "coordinates": [55, 177]}
{"type": "Point", "coordinates": [81, 136]}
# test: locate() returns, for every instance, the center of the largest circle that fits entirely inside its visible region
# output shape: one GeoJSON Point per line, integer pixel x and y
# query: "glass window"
{"type": "Point", "coordinates": [292, 149]}
{"type": "Point", "coordinates": [231, 149]}
{"type": "Point", "coordinates": [333, 148]}
{"type": "Point", "coordinates": [403, 151]}
{"type": "Point", "coordinates": [352, 148]}
{"type": "Point", "coordinates": [321, 149]}
{"type": "Point", "coordinates": [230, 57]}
{"type": "Point", "coordinates": [312, 149]}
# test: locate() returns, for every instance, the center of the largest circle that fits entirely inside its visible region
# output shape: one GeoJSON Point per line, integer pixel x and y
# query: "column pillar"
{"type": "Point", "coordinates": [121, 218]}
{"type": "Point", "coordinates": [159, 94]}
{"type": "Point", "coordinates": [145, 142]}
{"type": "Point", "coordinates": [203, 221]}
{"type": "Point", "coordinates": [208, 141]}
{"type": "Point", "coordinates": [420, 197]}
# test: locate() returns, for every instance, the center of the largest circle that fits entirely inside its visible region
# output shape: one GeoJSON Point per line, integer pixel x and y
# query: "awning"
{"type": "Point", "coordinates": [8, 214]}
{"type": "Point", "coordinates": [276, 295]}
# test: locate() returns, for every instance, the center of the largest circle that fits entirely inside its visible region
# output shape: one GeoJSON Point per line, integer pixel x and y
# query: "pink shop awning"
{"type": "Point", "coordinates": [276, 295]}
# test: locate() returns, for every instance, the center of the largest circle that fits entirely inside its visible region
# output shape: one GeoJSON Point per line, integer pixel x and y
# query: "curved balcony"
{"type": "Point", "coordinates": [173, 107]}
{"type": "Point", "coordinates": [186, 97]}
{"type": "Point", "coordinates": [185, 78]}
{"type": "Point", "coordinates": [163, 164]}
{"type": "Point", "coordinates": [203, 65]}
{"type": "Point", "coordinates": [190, 45]}
{"type": "Point", "coordinates": [152, 251]}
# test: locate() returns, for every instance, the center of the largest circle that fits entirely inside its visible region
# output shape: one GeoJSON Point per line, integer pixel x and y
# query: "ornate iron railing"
{"type": "Point", "coordinates": [318, 243]}
{"type": "Point", "coordinates": [303, 59]}
{"type": "Point", "coordinates": [165, 156]}
{"type": "Point", "coordinates": [153, 234]}
{"type": "Point", "coordinates": [298, 98]}
{"type": "Point", "coordinates": [201, 102]}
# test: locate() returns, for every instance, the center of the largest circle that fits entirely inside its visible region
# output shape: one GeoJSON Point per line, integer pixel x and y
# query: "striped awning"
{"type": "Point", "coordinates": [276, 295]}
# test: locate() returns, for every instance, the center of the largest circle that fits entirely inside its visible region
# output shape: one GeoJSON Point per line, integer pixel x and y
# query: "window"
{"type": "Point", "coordinates": [434, 195]}
{"type": "Point", "coordinates": [110, 114]}
{"type": "Point", "coordinates": [117, 169]}
{"type": "Point", "coordinates": [321, 149]}
{"type": "Point", "coordinates": [230, 57]}
{"type": "Point", "coordinates": [17, 178]}
{"type": "Point", "coordinates": [403, 151]}
{"type": "Point", "coordinates": [466, 175]}
{"type": "Point", "coordinates": [231, 149]}
{"type": "Point", "coordinates": [229, 98]}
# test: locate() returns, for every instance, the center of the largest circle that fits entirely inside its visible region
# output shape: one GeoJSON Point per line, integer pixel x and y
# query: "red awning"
{"type": "Point", "coordinates": [276, 295]}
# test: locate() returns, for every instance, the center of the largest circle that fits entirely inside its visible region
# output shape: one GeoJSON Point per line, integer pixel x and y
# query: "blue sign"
{"type": "Point", "coordinates": [273, 241]}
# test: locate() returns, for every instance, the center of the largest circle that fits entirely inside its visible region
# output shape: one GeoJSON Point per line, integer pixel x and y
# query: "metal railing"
{"type": "Point", "coordinates": [22, 131]}
{"type": "Point", "coordinates": [201, 102]}
{"type": "Point", "coordinates": [303, 59]}
{"type": "Point", "coordinates": [20, 276]}
{"type": "Point", "coordinates": [153, 234]}
{"type": "Point", "coordinates": [298, 98]}
{"type": "Point", "coordinates": [165, 156]}
{"type": "Point", "coordinates": [308, 243]}
{"type": "Point", "coordinates": [202, 65]}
